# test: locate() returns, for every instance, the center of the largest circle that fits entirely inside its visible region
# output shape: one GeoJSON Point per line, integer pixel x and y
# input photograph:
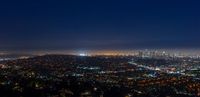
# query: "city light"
{"type": "Point", "coordinates": [82, 54]}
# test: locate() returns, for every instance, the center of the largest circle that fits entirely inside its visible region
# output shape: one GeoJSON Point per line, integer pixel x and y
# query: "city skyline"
{"type": "Point", "coordinates": [134, 52]}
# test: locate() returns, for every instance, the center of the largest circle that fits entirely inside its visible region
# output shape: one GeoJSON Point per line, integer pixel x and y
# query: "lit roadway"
{"type": "Point", "coordinates": [158, 69]}
{"type": "Point", "coordinates": [146, 67]}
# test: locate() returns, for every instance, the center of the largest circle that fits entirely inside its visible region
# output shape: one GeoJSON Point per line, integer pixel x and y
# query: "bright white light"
{"type": "Point", "coordinates": [82, 54]}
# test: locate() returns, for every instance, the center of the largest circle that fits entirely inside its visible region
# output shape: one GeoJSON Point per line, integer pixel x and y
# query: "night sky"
{"type": "Point", "coordinates": [99, 24]}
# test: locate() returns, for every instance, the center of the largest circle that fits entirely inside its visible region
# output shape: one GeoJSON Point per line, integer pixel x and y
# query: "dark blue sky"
{"type": "Point", "coordinates": [99, 24]}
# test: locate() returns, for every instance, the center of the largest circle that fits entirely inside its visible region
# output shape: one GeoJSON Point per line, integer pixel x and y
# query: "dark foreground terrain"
{"type": "Point", "coordinates": [97, 76]}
